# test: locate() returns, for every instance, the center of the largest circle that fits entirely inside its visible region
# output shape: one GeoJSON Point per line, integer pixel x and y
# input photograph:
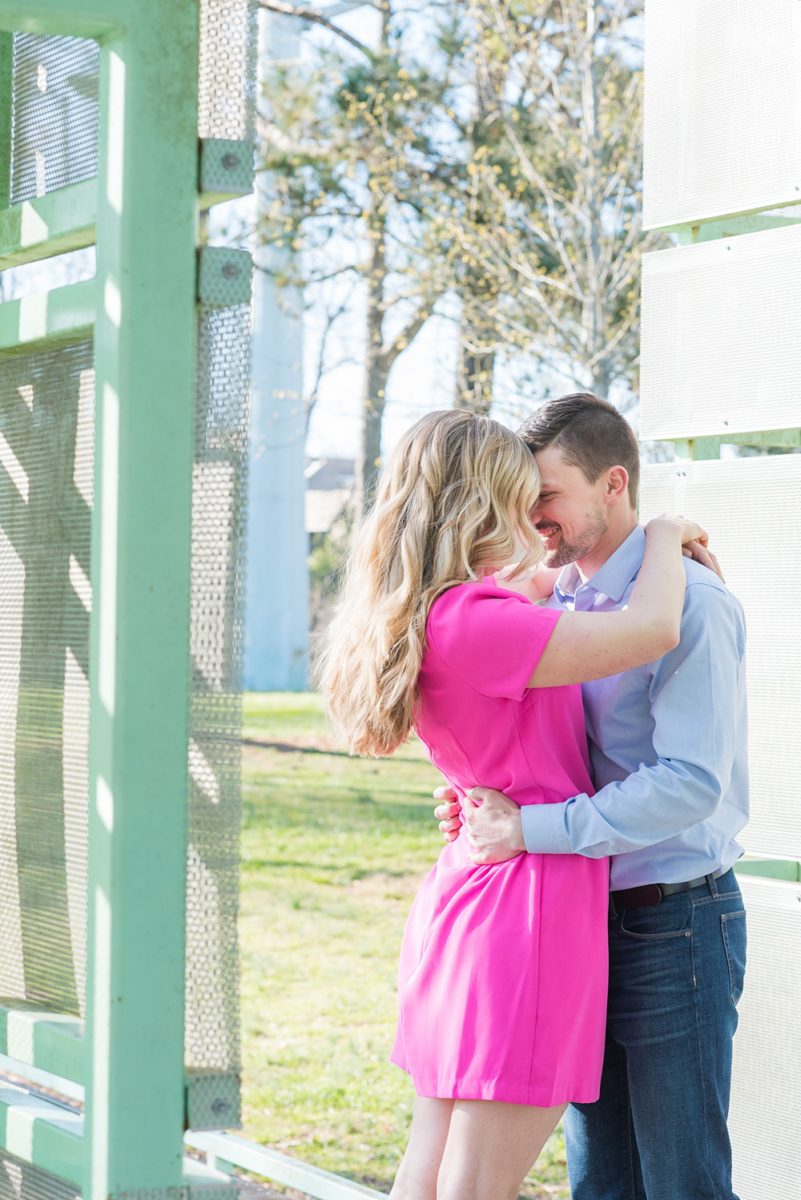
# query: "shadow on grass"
{"type": "Point", "coordinates": [293, 748]}
{"type": "Point", "coordinates": [324, 813]}
{"type": "Point", "coordinates": [354, 874]}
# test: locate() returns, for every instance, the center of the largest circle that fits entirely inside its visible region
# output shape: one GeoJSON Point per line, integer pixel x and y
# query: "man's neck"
{"type": "Point", "coordinates": [605, 547]}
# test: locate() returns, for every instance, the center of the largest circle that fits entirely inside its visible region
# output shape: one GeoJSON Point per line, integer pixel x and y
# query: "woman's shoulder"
{"type": "Point", "coordinates": [481, 607]}
{"type": "Point", "coordinates": [489, 635]}
{"type": "Point", "coordinates": [473, 592]}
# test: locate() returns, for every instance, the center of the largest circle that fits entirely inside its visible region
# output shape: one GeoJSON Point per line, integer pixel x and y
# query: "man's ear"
{"type": "Point", "coordinates": [617, 484]}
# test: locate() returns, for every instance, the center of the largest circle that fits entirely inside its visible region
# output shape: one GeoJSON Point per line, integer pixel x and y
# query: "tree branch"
{"type": "Point", "coordinates": [316, 18]}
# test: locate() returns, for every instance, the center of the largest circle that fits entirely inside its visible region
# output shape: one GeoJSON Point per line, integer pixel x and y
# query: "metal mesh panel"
{"type": "Point", "coordinates": [721, 336]}
{"type": "Point", "coordinates": [54, 113]}
{"type": "Point", "coordinates": [722, 108]}
{"type": "Point", "coordinates": [766, 1092]}
{"type": "Point", "coordinates": [212, 1033]}
{"type": "Point", "coordinates": [227, 69]}
{"type": "Point", "coordinates": [20, 1181]}
{"type": "Point", "coordinates": [752, 509]}
{"type": "Point", "coordinates": [46, 455]}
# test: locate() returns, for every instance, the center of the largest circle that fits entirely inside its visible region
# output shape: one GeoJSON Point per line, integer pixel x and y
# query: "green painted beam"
{"type": "Point", "coordinates": [697, 448]}
{"type": "Point", "coordinates": [42, 1133]}
{"type": "Point", "coordinates": [52, 224]}
{"type": "Point", "coordinates": [145, 357]}
{"type": "Point", "coordinates": [770, 868]}
{"type": "Point", "coordinates": [48, 1041]}
{"type": "Point", "coordinates": [770, 439]}
{"type": "Point", "coordinates": [754, 221]}
{"type": "Point", "coordinates": [64, 220]}
{"type": "Point", "coordinates": [54, 1043]}
{"type": "Point", "coordinates": [708, 447]}
{"type": "Point", "coordinates": [78, 18]}
{"type": "Point", "coordinates": [60, 315]}
{"type": "Point", "coordinates": [51, 1136]}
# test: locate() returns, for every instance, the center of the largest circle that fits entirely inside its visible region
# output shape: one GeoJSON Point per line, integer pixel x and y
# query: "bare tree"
{"type": "Point", "coordinates": [350, 148]}
{"type": "Point", "coordinates": [564, 182]}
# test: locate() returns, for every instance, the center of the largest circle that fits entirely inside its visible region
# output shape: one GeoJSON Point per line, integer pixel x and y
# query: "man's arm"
{"type": "Point", "coordinates": [694, 694]}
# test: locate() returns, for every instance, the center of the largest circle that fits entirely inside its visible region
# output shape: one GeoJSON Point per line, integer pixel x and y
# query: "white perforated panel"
{"type": "Point", "coordinates": [722, 108]}
{"type": "Point", "coordinates": [765, 1115]}
{"type": "Point", "coordinates": [721, 336]}
{"type": "Point", "coordinates": [752, 509]}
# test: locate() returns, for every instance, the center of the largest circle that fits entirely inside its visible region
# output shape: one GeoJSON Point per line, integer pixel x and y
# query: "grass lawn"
{"type": "Point", "coordinates": [333, 850]}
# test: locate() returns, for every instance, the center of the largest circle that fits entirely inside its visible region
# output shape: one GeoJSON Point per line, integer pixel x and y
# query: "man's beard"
{"type": "Point", "coordinates": [567, 552]}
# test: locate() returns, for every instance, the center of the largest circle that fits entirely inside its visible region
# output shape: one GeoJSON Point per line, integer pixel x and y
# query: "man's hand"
{"type": "Point", "coordinates": [491, 820]}
{"type": "Point", "coordinates": [493, 826]}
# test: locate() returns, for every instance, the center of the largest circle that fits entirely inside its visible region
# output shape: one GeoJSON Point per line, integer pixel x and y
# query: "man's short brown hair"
{"type": "Point", "coordinates": [591, 434]}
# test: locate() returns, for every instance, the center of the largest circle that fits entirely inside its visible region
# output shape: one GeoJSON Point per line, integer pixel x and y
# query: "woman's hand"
{"type": "Point", "coordinates": [688, 530]}
{"type": "Point", "coordinates": [703, 555]}
{"type": "Point", "coordinates": [694, 541]}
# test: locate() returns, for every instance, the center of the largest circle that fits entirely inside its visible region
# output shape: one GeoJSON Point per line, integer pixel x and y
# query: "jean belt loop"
{"type": "Point", "coordinates": [713, 885]}
{"type": "Point", "coordinates": [612, 909]}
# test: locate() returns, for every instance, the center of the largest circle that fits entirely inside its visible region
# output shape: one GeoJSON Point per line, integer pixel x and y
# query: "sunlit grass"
{"type": "Point", "coordinates": [333, 850]}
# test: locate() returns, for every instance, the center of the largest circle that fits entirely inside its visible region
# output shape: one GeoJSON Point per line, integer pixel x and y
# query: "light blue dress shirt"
{"type": "Point", "coordinates": [668, 741]}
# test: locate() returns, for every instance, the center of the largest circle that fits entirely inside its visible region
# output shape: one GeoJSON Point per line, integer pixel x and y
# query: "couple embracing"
{"type": "Point", "coordinates": [579, 681]}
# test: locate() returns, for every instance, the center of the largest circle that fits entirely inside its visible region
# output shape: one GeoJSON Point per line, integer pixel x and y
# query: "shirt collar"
{"type": "Point", "coordinates": [613, 577]}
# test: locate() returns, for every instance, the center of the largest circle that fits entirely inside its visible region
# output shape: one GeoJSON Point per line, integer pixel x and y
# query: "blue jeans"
{"type": "Point", "coordinates": [658, 1131]}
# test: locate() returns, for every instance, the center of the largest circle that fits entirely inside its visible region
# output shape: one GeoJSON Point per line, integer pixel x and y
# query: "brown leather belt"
{"type": "Point", "coordinates": [651, 894]}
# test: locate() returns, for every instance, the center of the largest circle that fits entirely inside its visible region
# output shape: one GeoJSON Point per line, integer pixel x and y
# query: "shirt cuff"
{"type": "Point", "coordinates": [544, 829]}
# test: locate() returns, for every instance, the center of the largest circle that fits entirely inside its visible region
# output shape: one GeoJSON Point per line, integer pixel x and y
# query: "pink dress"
{"type": "Point", "coordinates": [503, 968]}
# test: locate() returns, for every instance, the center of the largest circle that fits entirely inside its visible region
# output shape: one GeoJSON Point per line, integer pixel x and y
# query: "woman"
{"type": "Point", "coordinates": [503, 967]}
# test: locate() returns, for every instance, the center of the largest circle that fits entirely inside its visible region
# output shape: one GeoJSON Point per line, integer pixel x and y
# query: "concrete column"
{"type": "Point", "coordinates": [276, 637]}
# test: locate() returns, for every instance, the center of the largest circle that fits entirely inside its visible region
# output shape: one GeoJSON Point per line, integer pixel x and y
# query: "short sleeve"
{"type": "Point", "coordinates": [491, 638]}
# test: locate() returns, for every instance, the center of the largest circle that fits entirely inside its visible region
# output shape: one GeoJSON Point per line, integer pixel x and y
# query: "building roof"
{"type": "Point", "coordinates": [329, 487]}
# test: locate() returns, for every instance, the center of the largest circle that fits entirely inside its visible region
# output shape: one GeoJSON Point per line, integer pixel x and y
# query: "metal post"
{"type": "Point", "coordinates": [145, 358]}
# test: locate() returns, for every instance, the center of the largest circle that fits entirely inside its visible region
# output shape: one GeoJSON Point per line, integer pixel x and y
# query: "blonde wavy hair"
{"type": "Point", "coordinates": [452, 504]}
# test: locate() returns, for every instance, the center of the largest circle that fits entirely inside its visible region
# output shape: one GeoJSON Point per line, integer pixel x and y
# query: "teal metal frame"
{"type": "Point", "coordinates": [142, 211]}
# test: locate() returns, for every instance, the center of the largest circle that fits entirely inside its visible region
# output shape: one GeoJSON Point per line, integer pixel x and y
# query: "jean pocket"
{"type": "Point", "coordinates": [735, 940]}
{"type": "Point", "coordinates": [670, 919]}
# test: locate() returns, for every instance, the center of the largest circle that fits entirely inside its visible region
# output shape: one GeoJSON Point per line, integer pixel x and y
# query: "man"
{"type": "Point", "coordinates": [668, 749]}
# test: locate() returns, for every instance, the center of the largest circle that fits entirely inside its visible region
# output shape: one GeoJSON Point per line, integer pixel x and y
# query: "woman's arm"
{"type": "Point", "coordinates": [591, 645]}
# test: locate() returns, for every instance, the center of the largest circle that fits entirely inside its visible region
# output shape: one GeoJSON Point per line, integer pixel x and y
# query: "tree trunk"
{"type": "Point", "coordinates": [593, 318]}
{"type": "Point", "coordinates": [474, 377]}
{"type": "Point", "coordinates": [376, 373]}
{"type": "Point", "coordinates": [479, 292]}
{"type": "Point", "coordinates": [376, 364]}
{"type": "Point", "coordinates": [601, 379]}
